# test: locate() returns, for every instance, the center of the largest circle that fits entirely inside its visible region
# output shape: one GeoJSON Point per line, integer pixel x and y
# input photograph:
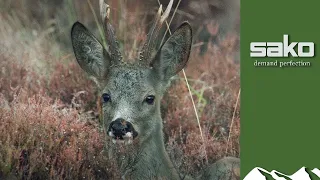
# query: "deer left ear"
{"type": "Point", "coordinates": [174, 53]}
{"type": "Point", "coordinates": [89, 52]}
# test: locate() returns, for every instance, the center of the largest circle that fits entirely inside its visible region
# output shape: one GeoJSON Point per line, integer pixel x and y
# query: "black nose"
{"type": "Point", "coordinates": [120, 127]}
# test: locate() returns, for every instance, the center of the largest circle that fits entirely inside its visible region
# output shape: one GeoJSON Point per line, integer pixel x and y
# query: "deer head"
{"type": "Point", "coordinates": [131, 93]}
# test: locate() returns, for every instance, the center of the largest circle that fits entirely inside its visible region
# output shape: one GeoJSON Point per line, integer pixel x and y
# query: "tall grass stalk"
{"type": "Point", "coordinates": [98, 24]}
{"type": "Point", "coordinates": [233, 115]}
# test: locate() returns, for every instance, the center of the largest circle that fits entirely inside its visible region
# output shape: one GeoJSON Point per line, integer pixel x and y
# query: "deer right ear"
{"type": "Point", "coordinates": [89, 52]}
{"type": "Point", "coordinates": [174, 53]}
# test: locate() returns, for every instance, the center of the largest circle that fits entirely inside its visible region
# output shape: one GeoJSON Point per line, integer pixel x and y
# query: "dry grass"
{"type": "Point", "coordinates": [43, 139]}
{"type": "Point", "coordinates": [49, 118]}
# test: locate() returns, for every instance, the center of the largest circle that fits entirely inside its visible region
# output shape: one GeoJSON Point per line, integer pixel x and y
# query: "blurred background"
{"type": "Point", "coordinates": [211, 20]}
{"type": "Point", "coordinates": [49, 111]}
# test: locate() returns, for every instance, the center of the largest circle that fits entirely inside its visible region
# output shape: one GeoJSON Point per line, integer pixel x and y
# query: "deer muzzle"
{"type": "Point", "coordinates": [121, 131]}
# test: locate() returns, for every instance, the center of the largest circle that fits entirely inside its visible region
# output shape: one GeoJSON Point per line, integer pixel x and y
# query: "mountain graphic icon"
{"type": "Point", "coordinates": [262, 174]}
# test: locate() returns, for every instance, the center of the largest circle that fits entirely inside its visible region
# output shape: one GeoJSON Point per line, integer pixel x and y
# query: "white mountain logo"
{"type": "Point", "coordinates": [302, 174]}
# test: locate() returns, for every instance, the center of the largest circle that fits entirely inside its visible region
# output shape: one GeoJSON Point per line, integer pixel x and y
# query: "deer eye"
{"type": "Point", "coordinates": [150, 99]}
{"type": "Point", "coordinates": [106, 97]}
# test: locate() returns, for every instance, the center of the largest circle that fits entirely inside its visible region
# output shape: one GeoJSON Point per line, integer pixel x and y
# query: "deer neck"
{"type": "Point", "coordinates": [155, 156]}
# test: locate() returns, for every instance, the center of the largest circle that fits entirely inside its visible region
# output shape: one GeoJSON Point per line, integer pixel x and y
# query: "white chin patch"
{"type": "Point", "coordinates": [110, 134]}
{"type": "Point", "coordinates": [128, 134]}
{"type": "Point", "coordinates": [127, 138]}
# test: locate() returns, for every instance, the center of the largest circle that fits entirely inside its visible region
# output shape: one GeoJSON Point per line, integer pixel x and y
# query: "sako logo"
{"type": "Point", "coordinates": [282, 49]}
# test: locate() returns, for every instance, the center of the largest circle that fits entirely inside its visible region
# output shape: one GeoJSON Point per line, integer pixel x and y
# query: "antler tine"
{"type": "Point", "coordinates": [167, 11]}
{"type": "Point", "coordinates": [148, 46]}
{"type": "Point", "coordinates": [109, 32]}
{"type": "Point", "coordinates": [103, 9]}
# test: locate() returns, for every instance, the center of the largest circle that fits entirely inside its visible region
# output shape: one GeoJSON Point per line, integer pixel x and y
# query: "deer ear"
{"type": "Point", "coordinates": [174, 53]}
{"type": "Point", "coordinates": [89, 52]}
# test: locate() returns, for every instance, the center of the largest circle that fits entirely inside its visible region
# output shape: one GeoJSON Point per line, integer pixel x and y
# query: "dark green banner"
{"type": "Point", "coordinates": [280, 95]}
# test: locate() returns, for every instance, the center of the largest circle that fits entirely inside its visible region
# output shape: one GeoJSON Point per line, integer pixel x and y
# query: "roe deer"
{"type": "Point", "coordinates": [131, 94]}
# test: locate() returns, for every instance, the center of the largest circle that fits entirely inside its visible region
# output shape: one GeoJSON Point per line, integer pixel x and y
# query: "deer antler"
{"type": "Point", "coordinates": [109, 32]}
{"type": "Point", "coordinates": [146, 51]}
